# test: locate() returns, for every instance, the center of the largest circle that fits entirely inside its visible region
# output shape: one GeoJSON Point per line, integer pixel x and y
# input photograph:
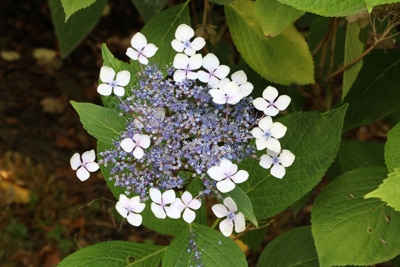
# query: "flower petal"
{"type": "Point", "coordinates": [257, 133]}
{"type": "Point", "coordinates": [134, 219]}
{"type": "Point", "coordinates": [104, 89]}
{"type": "Point", "coordinates": [282, 102]}
{"type": "Point", "coordinates": [92, 166]}
{"type": "Point", "coordinates": [198, 43]}
{"type": "Point", "coordinates": [172, 212]}
{"type": "Point", "coordinates": [225, 185]}
{"type": "Point", "coordinates": [218, 96]}
{"type": "Point", "coordinates": [132, 54]}
{"type": "Point", "coordinates": [219, 210]}
{"type": "Point", "coordinates": [127, 144]}
{"type": "Point", "coordinates": [273, 144]}
{"type": "Point", "coordinates": [75, 161]}
{"type": "Point", "coordinates": [82, 174]}
{"type": "Point", "coordinates": [240, 176]}
{"type": "Point", "coordinates": [123, 78]}
{"type": "Point", "coordinates": [184, 32]}
{"type": "Point", "coordinates": [195, 204]}
{"type": "Point", "coordinates": [155, 195]}
{"type": "Point", "coordinates": [278, 130]}
{"type": "Point", "coordinates": [177, 45]}
{"type": "Point", "coordinates": [150, 50]}
{"type": "Point", "coordinates": [188, 215]}
{"type": "Point", "coordinates": [179, 75]}
{"type": "Point", "coordinates": [230, 204]}
{"type": "Point", "coordinates": [136, 204]}
{"type": "Point", "coordinates": [143, 60]}
{"type": "Point", "coordinates": [286, 158]}
{"type": "Point", "coordinates": [158, 211]}
{"type": "Point", "coordinates": [181, 61]}
{"type": "Point", "coordinates": [88, 156]}
{"type": "Point", "coordinates": [168, 196]}
{"type": "Point", "coordinates": [138, 41]}
{"type": "Point", "coordinates": [210, 62]}
{"type": "Point", "coordinates": [222, 71]}
{"type": "Point", "coordinates": [228, 167]}
{"type": "Point", "coordinates": [138, 152]}
{"type": "Point", "coordinates": [278, 171]}
{"type": "Point", "coordinates": [226, 227]}
{"type": "Point", "coordinates": [216, 173]}
{"type": "Point", "coordinates": [270, 94]}
{"type": "Point", "coordinates": [119, 91]}
{"type": "Point", "coordinates": [240, 222]}
{"type": "Point", "coordinates": [260, 104]}
{"type": "Point", "coordinates": [195, 62]}
{"type": "Point", "coordinates": [266, 123]}
{"type": "Point", "coordinates": [107, 74]}
{"type": "Point", "coordinates": [266, 161]}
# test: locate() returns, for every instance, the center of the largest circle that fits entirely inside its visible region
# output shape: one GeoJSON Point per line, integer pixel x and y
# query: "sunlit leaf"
{"type": "Point", "coordinates": [392, 148]}
{"type": "Point", "coordinates": [72, 6]}
{"type": "Point", "coordinates": [329, 8]}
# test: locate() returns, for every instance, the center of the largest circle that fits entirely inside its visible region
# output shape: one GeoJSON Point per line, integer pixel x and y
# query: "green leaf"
{"type": "Point", "coordinates": [163, 226]}
{"type": "Point", "coordinates": [328, 8]}
{"type": "Point", "coordinates": [70, 34]}
{"type": "Point", "coordinates": [284, 59]}
{"type": "Point", "coordinates": [102, 123]}
{"type": "Point", "coordinates": [214, 248]}
{"type": "Point", "coordinates": [372, 3]}
{"type": "Point", "coordinates": [115, 254]}
{"type": "Point", "coordinates": [293, 248]}
{"type": "Point", "coordinates": [314, 138]}
{"type": "Point", "coordinates": [244, 204]}
{"type": "Point", "coordinates": [351, 230]}
{"type": "Point", "coordinates": [160, 30]}
{"type": "Point", "coordinates": [148, 9]}
{"type": "Point", "coordinates": [353, 49]}
{"type": "Point", "coordinates": [392, 148]}
{"type": "Point", "coordinates": [72, 6]}
{"type": "Point", "coordinates": [353, 155]}
{"type": "Point", "coordinates": [275, 17]}
{"type": "Point", "coordinates": [388, 190]}
{"type": "Point", "coordinates": [377, 82]}
{"type": "Point", "coordinates": [221, 2]}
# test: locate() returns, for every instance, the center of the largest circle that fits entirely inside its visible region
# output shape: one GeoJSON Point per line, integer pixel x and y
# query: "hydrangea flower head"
{"type": "Point", "coordinates": [278, 160]}
{"type": "Point", "coordinates": [140, 49]}
{"type": "Point", "coordinates": [111, 83]}
{"type": "Point", "coordinates": [84, 166]}
{"type": "Point", "coordinates": [182, 42]}
{"type": "Point", "coordinates": [271, 103]}
{"type": "Point", "coordinates": [233, 217]}
{"type": "Point", "coordinates": [227, 175]}
{"type": "Point", "coordinates": [267, 134]}
{"type": "Point", "coordinates": [130, 208]}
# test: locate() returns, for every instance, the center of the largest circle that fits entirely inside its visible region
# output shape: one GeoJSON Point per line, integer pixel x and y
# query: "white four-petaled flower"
{"type": "Point", "coordinates": [187, 204]}
{"type": "Point", "coordinates": [278, 160]}
{"type": "Point", "coordinates": [161, 205]}
{"type": "Point", "coordinates": [240, 78]}
{"type": "Point", "coordinates": [130, 208]}
{"type": "Point", "coordinates": [182, 42]}
{"type": "Point", "coordinates": [112, 83]}
{"type": "Point", "coordinates": [270, 103]}
{"type": "Point", "coordinates": [227, 175]}
{"type": "Point", "coordinates": [226, 92]}
{"type": "Point", "coordinates": [140, 49]}
{"type": "Point", "coordinates": [136, 144]}
{"type": "Point", "coordinates": [185, 67]}
{"type": "Point", "coordinates": [233, 217]}
{"type": "Point", "coordinates": [216, 72]}
{"type": "Point", "coordinates": [85, 166]}
{"type": "Point", "coordinates": [267, 134]}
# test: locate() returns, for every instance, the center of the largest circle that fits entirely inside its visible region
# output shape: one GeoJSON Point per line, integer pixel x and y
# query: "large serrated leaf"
{"type": "Point", "coordinates": [284, 59]}
{"type": "Point", "coordinates": [214, 249]}
{"type": "Point", "coordinates": [329, 8]}
{"type": "Point", "coordinates": [115, 254]}
{"type": "Point", "coordinates": [275, 17]}
{"type": "Point", "coordinates": [351, 230]}
{"type": "Point", "coordinates": [102, 123]}
{"type": "Point", "coordinates": [71, 33]}
{"type": "Point", "coordinates": [392, 148]}
{"type": "Point", "coordinates": [314, 138]}
{"type": "Point", "coordinates": [72, 6]}
{"type": "Point", "coordinates": [377, 82]}
{"type": "Point", "coordinates": [294, 248]}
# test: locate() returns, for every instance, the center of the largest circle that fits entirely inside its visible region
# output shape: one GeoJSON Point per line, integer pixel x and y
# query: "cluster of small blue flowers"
{"type": "Point", "coordinates": [192, 124]}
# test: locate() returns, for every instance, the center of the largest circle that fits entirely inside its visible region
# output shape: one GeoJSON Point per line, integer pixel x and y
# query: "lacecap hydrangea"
{"type": "Point", "coordinates": [198, 121]}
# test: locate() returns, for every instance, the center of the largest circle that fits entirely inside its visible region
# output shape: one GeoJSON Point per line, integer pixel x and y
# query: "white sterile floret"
{"type": "Point", "coordinates": [233, 217]}
{"type": "Point", "coordinates": [160, 203]}
{"type": "Point", "coordinates": [182, 42]}
{"type": "Point", "coordinates": [270, 103]}
{"type": "Point", "coordinates": [216, 72]}
{"type": "Point", "coordinates": [227, 175]}
{"type": "Point", "coordinates": [136, 144]}
{"type": "Point", "coordinates": [240, 78]}
{"type": "Point", "coordinates": [140, 49]}
{"type": "Point", "coordinates": [185, 67]}
{"type": "Point", "coordinates": [267, 134]}
{"type": "Point", "coordinates": [279, 161]}
{"type": "Point", "coordinates": [130, 208]}
{"type": "Point", "coordinates": [187, 204]}
{"type": "Point", "coordinates": [84, 166]}
{"type": "Point", "coordinates": [226, 92]}
{"type": "Point", "coordinates": [112, 83]}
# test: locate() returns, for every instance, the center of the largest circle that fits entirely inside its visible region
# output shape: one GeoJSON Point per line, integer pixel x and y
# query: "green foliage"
{"type": "Point", "coordinates": [102, 123]}
{"type": "Point", "coordinates": [275, 17]}
{"type": "Point", "coordinates": [351, 230]}
{"type": "Point", "coordinates": [116, 254]}
{"type": "Point", "coordinates": [392, 148]}
{"type": "Point", "coordinates": [148, 9]}
{"type": "Point", "coordinates": [314, 138]}
{"type": "Point", "coordinates": [72, 6]}
{"type": "Point", "coordinates": [294, 248]}
{"type": "Point", "coordinates": [72, 32]}
{"type": "Point", "coordinates": [329, 8]}
{"type": "Point", "coordinates": [244, 204]}
{"type": "Point", "coordinates": [216, 249]}
{"type": "Point", "coordinates": [284, 59]}
{"type": "Point", "coordinates": [377, 82]}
